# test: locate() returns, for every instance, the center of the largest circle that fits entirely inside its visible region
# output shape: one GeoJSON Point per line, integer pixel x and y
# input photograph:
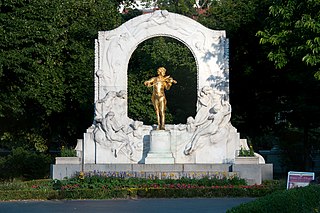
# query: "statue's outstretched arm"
{"type": "Point", "coordinates": [149, 83]}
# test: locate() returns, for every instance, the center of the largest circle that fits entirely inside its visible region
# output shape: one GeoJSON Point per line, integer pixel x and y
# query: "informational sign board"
{"type": "Point", "coordinates": [299, 179]}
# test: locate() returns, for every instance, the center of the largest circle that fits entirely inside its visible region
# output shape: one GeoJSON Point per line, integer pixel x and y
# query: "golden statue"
{"type": "Point", "coordinates": [158, 98]}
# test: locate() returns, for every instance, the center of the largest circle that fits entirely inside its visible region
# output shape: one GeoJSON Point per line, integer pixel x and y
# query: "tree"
{"type": "Point", "coordinates": [293, 33]}
{"type": "Point", "coordinates": [253, 80]}
{"type": "Point", "coordinates": [46, 71]}
{"type": "Point", "coordinates": [183, 7]}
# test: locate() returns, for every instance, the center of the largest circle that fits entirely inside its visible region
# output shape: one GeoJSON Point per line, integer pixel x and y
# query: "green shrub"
{"type": "Point", "coordinates": [29, 195]}
{"type": "Point", "coordinates": [68, 152]}
{"type": "Point", "coordinates": [246, 152]}
{"type": "Point", "coordinates": [22, 163]}
{"type": "Point", "coordinates": [99, 187]}
{"type": "Point", "coordinates": [22, 190]}
{"type": "Point", "coordinates": [96, 182]}
{"type": "Point", "coordinates": [94, 194]}
{"type": "Point", "coordinates": [305, 199]}
{"type": "Point", "coordinates": [275, 184]}
{"type": "Point", "coordinates": [208, 192]}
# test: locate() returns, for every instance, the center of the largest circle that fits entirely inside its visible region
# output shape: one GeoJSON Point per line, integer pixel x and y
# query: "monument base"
{"type": "Point", "coordinates": [158, 158]}
{"type": "Point", "coordinates": [160, 148]}
{"type": "Point", "coordinates": [253, 174]}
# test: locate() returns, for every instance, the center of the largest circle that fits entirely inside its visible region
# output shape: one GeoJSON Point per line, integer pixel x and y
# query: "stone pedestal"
{"type": "Point", "coordinates": [160, 148]}
{"type": "Point", "coordinates": [68, 160]}
{"type": "Point", "coordinates": [246, 160]}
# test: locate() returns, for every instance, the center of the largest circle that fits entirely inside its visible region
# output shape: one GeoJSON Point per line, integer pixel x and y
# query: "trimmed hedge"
{"type": "Point", "coordinates": [58, 194]}
{"type": "Point", "coordinates": [6, 195]}
{"type": "Point", "coordinates": [118, 193]}
{"type": "Point", "coordinates": [199, 192]}
{"type": "Point", "coordinates": [305, 199]}
{"type": "Point", "coordinates": [44, 194]}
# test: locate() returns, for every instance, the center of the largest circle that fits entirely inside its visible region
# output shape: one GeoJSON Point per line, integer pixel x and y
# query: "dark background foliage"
{"type": "Point", "coordinates": [180, 64]}
{"type": "Point", "coordinates": [47, 59]}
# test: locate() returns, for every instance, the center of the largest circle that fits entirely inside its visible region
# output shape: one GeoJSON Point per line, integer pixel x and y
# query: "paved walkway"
{"type": "Point", "coordinates": [185, 205]}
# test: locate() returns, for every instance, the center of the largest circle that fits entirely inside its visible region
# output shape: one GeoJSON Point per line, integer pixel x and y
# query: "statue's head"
{"type": "Point", "coordinates": [206, 90]}
{"type": "Point", "coordinates": [110, 114]}
{"type": "Point", "coordinates": [122, 94]}
{"type": "Point", "coordinates": [162, 71]}
{"type": "Point", "coordinates": [190, 120]}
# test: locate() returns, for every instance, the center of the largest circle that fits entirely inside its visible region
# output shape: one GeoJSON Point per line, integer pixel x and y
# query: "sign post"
{"type": "Point", "coordinates": [299, 179]}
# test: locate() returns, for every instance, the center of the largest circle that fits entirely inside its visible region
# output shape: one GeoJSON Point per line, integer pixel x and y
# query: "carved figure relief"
{"type": "Point", "coordinates": [163, 18]}
{"type": "Point", "coordinates": [158, 17]}
{"type": "Point", "coordinates": [120, 109]}
{"type": "Point", "coordinates": [114, 49]}
{"type": "Point", "coordinates": [100, 135]}
{"type": "Point", "coordinates": [136, 136]}
{"type": "Point", "coordinates": [212, 120]}
{"type": "Point", "coordinates": [101, 78]}
{"type": "Point", "coordinates": [115, 102]}
{"type": "Point", "coordinates": [116, 134]}
{"type": "Point", "coordinates": [109, 132]}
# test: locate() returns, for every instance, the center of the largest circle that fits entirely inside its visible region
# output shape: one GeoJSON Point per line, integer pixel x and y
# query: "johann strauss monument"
{"type": "Point", "coordinates": [204, 140]}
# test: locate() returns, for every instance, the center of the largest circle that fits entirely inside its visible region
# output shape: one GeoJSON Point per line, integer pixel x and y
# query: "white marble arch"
{"type": "Point", "coordinates": [209, 137]}
{"type": "Point", "coordinates": [114, 49]}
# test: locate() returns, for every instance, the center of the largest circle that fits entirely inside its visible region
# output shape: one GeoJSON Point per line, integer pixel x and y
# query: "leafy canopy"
{"type": "Point", "coordinates": [46, 66]}
{"type": "Point", "coordinates": [294, 33]}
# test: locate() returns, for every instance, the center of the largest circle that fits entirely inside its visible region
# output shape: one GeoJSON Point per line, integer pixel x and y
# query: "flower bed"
{"type": "Point", "coordinates": [108, 187]}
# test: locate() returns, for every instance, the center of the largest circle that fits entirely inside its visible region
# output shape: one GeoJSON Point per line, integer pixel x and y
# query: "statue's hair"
{"type": "Point", "coordinates": [162, 69]}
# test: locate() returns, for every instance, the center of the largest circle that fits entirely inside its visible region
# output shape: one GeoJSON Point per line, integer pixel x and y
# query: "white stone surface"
{"type": "Point", "coordinates": [208, 138]}
{"type": "Point", "coordinates": [247, 160]}
{"type": "Point", "coordinates": [254, 174]}
{"type": "Point", "coordinates": [114, 49]}
{"type": "Point", "coordinates": [68, 160]}
{"type": "Point", "coordinates": [160, 148]}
